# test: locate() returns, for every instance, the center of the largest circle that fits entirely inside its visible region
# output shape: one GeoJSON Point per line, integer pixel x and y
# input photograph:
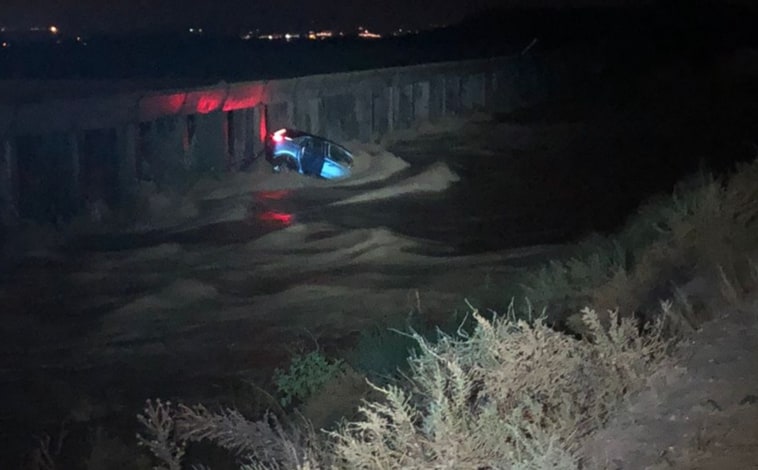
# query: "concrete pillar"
{"type": "Point", "coordinates": [262, 120]}
{"type": "Point", "coordinates": [443, 91]}
{"type": "Point", "coordinates": [126, 152]}
{"type": "Point", "coordinates": [226, 118]}
{"type": "Point", "coordinates": [257, 129]}
{"type": "Point", "coordinates": [240, 135]}
{"type": "Point", "coordinates": [279, 115]}
{"type": "Point", "coordinates": [392, 105]}
{"type": "Point", "coordinates": [9, 185]}
{"type": "Point", "coordinates": [505, 91]}
{"type": "Point", "coordinates": [452, 102]}
{"type": "Point", "coordinates": [72, 181]}
{"type": "Point", "coordinates": [379, 114]}
{"type": "Point", "coordinates": [165, 158]}
{"type": "Point", "coordinates": [490, 99]}
{"type": "Point", "coordinates": [314, 115]}
{"type": "Point", "coordinates": [405, 110]}
{"type": "Point", "coordinates": [331, 122]}
{"type": "Point", "coordinates": [209, 142]}
{"type": "Point", "coordinates": [481, 80]}
{"type": "Point", "coordinates": [364, 115]}
{"type": "Point", "coordinates": [421, 94]}
{"type": "Point", "coordinates": [468, 93]}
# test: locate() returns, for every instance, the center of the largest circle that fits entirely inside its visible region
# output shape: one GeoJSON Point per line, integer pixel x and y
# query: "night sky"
{"type": "Point", "coordinates": [267, 15]}
{"type": "Point", "coordinates": [230, 15]}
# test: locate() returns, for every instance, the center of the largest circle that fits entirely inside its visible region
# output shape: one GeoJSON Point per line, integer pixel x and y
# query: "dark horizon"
{"type": "Point", "coordinates": [121, 16]}
{"type": "Point", "coordinates": [237, 15]}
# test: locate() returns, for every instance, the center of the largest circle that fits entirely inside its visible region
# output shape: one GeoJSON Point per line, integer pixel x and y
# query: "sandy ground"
{"type": "Point", "coordinates": [701, 410]}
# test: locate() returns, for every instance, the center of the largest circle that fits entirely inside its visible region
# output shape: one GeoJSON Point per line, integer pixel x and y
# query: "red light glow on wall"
{"type": "Point", "coordinates": [244, 96]}
{"type": "Point", "coordinates": [263, 127]}
{"type": "Point", "coordinates": [208, 103]}
{"type": "Point", "coordinates": [152, 107]}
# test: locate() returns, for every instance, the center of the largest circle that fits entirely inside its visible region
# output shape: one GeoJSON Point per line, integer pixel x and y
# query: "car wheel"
{"type": "Point", "coordinates": [279, 164]}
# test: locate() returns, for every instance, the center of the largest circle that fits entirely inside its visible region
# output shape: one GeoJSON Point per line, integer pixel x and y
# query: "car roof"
{"type": "Point", "coordinates": [295, 133]}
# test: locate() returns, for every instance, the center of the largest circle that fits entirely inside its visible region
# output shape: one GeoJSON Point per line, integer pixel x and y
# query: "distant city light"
{"type": "Point", "coordinates": [5, 44]}
{"type": "Point", "coordinates": [366, 34]}
{"type": "Point", "coordinates": [53, 29]}
{"type": "Point", "coordinates": [363, 33]}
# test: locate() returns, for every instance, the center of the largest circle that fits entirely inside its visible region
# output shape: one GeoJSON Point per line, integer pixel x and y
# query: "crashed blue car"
{"type": "Point", "coordinates": [290, 149]}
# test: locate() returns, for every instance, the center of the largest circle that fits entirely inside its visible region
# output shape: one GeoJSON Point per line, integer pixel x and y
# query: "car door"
{"type": "Point", "coordinates": [340, 155]}
{"type": "Point", "coordinates": [312, 156]}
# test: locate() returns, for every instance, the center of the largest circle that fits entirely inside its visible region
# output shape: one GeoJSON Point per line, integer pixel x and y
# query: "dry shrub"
{"type": "Point", "coordinates": [511, 395]}
{"type": "Point", "coordinates": [571, 283]}
{"type": "Point", "coordinates": [265, 443]}
{"type": "Point", "coordinates": [708, 224]}
{"type": "Point", "coordinates": [715, 227]}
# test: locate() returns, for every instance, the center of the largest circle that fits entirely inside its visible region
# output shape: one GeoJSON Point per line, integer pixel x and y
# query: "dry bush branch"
{"type": "Point", "coordinates": [162, 440]}
{"type": "Point", "coordinates": [511, 395]}
{"type": "Point", "coordinates": [264, 441]}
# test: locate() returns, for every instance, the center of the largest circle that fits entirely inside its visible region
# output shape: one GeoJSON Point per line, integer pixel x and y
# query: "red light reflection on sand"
{"type": "Point", "coordinates": [278, 217]}
{"type": "Point", "coordinates": [275, 195]}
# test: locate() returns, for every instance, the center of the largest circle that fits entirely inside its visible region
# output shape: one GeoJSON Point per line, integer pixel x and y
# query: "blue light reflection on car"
{"type": "Point", "coordinates": [308, 154]}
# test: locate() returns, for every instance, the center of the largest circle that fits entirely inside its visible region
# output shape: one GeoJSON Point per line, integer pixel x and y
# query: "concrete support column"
{"type": "Point", "coordinates": [9, 185]}
{"type": "Point", "coordinates": [421, 95]}
{"type": "Point", "coordinates": [279, 115]}
{"type": "Point", "coordinates": [72, 182]}
{"type": "Point", "coordinates": [405, 108]}
{"type": "Point", "coordinates": [260, 118]}
{"type": "Point", "coordinates": [331, 119]}
{"type": "Point", "coordinates": [491, 93]}
{"type": "Point", "coordinates": [392, 107]}
{"type": "Point", "coordinates": [255, 130]}
{"type": "Point", "coordinates": [443, 92]}
{"type": "Point", "coordinates": [210, 142]}
{"type": "Point", "coordinates": [227, 135]}
{"type": "Point", "coordinates": [468, 93]}
{"type": "Point", "coordinates": [314, 115]}
{"type": "Point", "coordinates": [482, 86]}
{"type": "Point", "coordinates": [126, 152]}
{"type": "Point", "coordinates": [378, 114]}
{"type": "Point", "coordinates": [239, 136]}
{"type": "Point", "coordinates": [364, 115]}
{"type": "Point", "coordinates": [453, 96]}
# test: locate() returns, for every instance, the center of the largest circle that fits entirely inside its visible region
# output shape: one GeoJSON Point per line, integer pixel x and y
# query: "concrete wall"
{"type": "Point", "coordinates": [56, 154]}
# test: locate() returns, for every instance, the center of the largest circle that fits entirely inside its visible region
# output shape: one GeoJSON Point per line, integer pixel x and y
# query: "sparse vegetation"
{"type": "Point", "coordinates": [305, 376]}
{"type": "Point", "coordinates": [508, 392]}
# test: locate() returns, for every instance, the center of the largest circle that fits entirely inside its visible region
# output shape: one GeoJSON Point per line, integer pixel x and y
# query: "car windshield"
{"type": "Point", "coordinates": [340, 155]}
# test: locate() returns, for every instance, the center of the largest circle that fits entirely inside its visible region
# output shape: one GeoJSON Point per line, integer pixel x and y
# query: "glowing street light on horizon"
{"type": "Point", "coordinates": [53, 29]}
